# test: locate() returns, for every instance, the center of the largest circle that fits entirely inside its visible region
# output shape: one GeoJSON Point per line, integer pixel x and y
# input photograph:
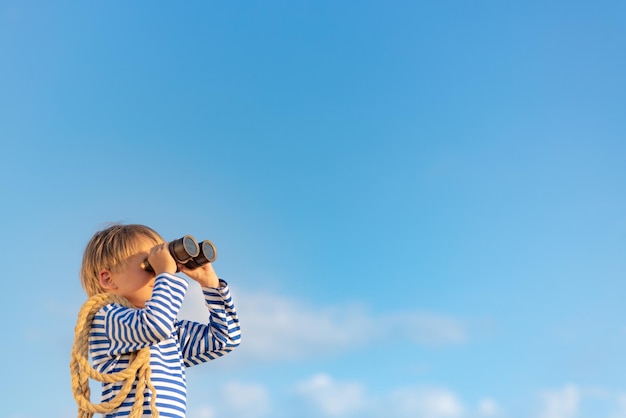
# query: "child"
{"type": "Point", "coordinates": [138, 348]}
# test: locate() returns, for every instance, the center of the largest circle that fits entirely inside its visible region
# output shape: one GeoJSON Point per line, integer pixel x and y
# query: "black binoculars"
{"type": "Point", "coordinates": [188, 252]}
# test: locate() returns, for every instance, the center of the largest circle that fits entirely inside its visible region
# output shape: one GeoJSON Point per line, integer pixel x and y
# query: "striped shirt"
{"type": "Point", "coordinates": [174, 344]}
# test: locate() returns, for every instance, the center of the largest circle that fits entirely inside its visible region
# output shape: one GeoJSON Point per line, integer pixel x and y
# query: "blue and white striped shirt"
{"type": "Point", "coordinates": [175, 344]}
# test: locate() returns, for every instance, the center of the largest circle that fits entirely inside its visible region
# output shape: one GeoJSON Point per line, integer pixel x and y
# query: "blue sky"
{"type": "Point", "coordinates": [419, 206]}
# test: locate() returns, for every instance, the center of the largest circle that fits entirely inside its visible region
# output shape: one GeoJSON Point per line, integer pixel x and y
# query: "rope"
{"type": "Point", "coordinates": [81, 370]}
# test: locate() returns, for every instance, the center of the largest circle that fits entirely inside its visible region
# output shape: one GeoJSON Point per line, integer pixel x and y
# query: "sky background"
{"type": "Point", "coordinates": [419, 206]}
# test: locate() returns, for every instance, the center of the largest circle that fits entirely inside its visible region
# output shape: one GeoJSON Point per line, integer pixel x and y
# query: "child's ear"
{"type": "Point", "coordinates": [106, 280]}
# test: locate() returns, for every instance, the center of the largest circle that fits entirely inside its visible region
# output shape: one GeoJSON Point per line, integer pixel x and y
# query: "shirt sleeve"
{"type": "Point", "coordinates": [129, 329]}
{"type": "Point", "coordinates": [203, 342]}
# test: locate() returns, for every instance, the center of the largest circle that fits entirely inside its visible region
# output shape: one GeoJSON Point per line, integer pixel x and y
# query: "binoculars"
{"type": "Point", "coordinates": [188, 252]}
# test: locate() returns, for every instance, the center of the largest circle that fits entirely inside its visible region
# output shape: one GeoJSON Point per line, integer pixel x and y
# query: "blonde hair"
{"type": "Point", "coordinates": [108, 249]}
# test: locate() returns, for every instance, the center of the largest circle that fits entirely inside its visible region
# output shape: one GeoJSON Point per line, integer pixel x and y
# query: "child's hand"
{"type": "Point", "coordinates": [204, 275]}
{"type": "Point", "coordinates": [161, 260]}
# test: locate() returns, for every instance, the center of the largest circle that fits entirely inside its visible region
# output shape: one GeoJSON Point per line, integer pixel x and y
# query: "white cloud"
{"type": "Point", "coordinates": [431, 329]}
{"type": "Point", "coordinates": [331, 397]}
{"type": "Point", "coordinates": [572, 401]}
{"type": "Point", "coordinates": [561, 403]}
{"type": "Point", "coordinates": [276, 327]}
{"type": "Point", "coordinates": [243, 400]}
{"type": "Point", "coordinates": [246, 400]}
{"type": "Point", "coordinates": [205, 411]}
{"type": "Point", "coordinates": [327, 397]}
{"type": "Point", "coordinates": [488, 408]}
{"type": "Point", "coordinates": [334, 398]}
{"type": "Point", "coordinates": [425, 403]}
{"type": "Point", "coordinates": [620, 410]}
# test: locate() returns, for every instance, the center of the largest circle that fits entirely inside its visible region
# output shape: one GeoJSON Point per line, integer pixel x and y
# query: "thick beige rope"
{"type": "Point", "coordinates": [81, 370]}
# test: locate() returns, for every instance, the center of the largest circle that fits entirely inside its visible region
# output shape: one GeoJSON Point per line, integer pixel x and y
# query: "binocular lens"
{"type": "Point", "coordinates": [186, 251]}
{"type": "Point", "coordinates": [207, 250]}
{"type": "Point", "coordinates": [207, 254]}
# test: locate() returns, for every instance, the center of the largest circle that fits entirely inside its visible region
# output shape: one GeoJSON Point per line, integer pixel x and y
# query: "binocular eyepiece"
{"type": "Point", "coordinates": [188, 252]}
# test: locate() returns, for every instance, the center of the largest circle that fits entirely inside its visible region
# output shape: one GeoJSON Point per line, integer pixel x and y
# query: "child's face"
{"type": "Point", "coordinates": [130, 280]}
